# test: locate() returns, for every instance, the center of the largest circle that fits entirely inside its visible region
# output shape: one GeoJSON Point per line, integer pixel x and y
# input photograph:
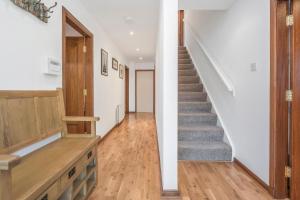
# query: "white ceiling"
{"type": "Point", "coordinates": [112, 15]}
{"type": "Point", "coordinates": [205, 4]}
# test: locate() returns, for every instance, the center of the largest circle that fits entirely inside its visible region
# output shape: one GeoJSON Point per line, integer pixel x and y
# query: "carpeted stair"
{"type": "Point", "coordinates": [199, 136]}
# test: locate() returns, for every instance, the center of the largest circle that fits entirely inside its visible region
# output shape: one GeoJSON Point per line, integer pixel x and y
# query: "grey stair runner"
{"type": "Point", "coordinates": [199, 136]}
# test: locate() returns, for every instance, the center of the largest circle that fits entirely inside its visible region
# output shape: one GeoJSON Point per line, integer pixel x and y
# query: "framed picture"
{"type": "Point", "coordinates": [121, 71]}
{"type": "Point", "coordinates": [104, 62]}
{"type": "Point", "coordinates": [115, 64]}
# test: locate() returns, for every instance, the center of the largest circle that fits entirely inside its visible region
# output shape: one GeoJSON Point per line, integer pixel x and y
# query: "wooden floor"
{"type": "Point", "coordinates": [129, 169]}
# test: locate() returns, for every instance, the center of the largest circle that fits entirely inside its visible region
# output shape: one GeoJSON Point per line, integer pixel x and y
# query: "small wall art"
{"type": "Point", "coordinates": [121, 71]}
{"type": "Point", "coordinates": [104, 62]}
{"type": "Point", "coordinates": [36, 7]}
{"type": "Point", "coordinates": [115, 64]}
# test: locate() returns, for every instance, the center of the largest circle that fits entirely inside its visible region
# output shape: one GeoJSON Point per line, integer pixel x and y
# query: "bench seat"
{"type": "Point", "coordinates": [40, 169]}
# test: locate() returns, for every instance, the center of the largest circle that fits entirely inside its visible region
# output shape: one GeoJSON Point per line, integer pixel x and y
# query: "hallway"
{"type": "Point", "coordinates": [128, 164]}
{"type": "Point", "coordinates": [129, 169]}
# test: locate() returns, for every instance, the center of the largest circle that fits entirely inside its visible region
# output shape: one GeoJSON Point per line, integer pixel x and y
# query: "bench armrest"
{"type": "Point", "coordinates": [80, 119]}
{"type": "Point", "coordinates": [7, 162]}
{"type": "Point", "coordinates": [93, 121]}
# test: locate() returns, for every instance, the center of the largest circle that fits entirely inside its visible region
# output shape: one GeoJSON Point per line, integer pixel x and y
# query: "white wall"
{"type": "Point", "coordinates": [133, 67]}
{"type": "Point", "coordinates": [236, 38]}
{"type": "Point", "coordinates": [26, 42]}
{"type": "Point", "coordinates": [205, 4]}
{"type": "Point", "coordinates": [166, 92]}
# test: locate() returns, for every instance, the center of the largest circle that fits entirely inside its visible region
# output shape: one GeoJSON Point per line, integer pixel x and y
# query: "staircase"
{"type": "Point", "coordinates": [199, 136]}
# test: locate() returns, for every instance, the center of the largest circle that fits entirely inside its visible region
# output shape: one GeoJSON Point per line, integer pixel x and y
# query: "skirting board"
{"type": "Point", "coordinates": [249, 172]}
{"type": "Point", "coordinates": [175, 195]}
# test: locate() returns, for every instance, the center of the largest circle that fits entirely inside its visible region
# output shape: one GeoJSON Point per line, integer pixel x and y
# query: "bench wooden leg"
{"type": "Point", "coordinates": [5, 185]}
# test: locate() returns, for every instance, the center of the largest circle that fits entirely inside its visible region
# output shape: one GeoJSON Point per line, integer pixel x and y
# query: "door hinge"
{"type": "Point", "coordinates": [290, 20]}
{"type": "Point", "coordinates": [289, 95]}
{"type": "Point", "coordinates": [85, 92]}
{"type": "Point", "coordinates": [288, 172]}
{"type": "Point", "coordinates": [84, 49]}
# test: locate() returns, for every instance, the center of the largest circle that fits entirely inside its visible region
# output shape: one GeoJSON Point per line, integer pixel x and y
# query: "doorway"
{"type": "Point", "coordinates": [145, 91]}
{"type": "Point", "coordinates": [77, 42]}
{"type": "Point", "coordinates": [285, 99]}
{"type": "Point", "coordinates": [126, 90]}
{"type": "Point", "coordinates": [181, 27]}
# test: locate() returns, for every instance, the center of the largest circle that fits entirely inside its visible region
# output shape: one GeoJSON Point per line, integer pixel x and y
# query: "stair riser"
{"type": "Point", "coordinates": [182, 52]}
{"type": "Point", "coordinates": [204, 155]}
{"type": "Point", "coordinates": [184, 61]}
{"type": "Point", "coordinates": [187, 73]}
{"type": "Point", "coordinates": [191, 81]}
{"type": "Point", "coordinates": [181, 48]}
{"type": "Point", "coordinates": [185, 66]}
{"type": "Point", "coordinates": [194, 108]}
{"type": "Point", "coordinates": [191, 88]}
{"type": "Point", "coordinates": [207, 136]}
{"type": "Point", "coordinates": [189, 78]}
{"type": "Point", "coordinates": [183, 56]}
{"type": "Point", "coordinates": [197, 120]}
{"type": "Point", "coordinates": [192, 98]}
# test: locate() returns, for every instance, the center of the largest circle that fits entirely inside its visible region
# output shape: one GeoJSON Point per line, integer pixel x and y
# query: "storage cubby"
{"type": "Point", "coordinates": [79, 182]}
{"type": "Point", "coordinates": [81, 194]}
{"type": "Point", "coordinates": [91, 182]}
{"type": "Point", "coordinates": [91, 166]}
{"type": "Point", "coordinates": [66, 195]}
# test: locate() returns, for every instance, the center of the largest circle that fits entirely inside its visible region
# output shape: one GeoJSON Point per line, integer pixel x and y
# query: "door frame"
{"type": "Point", "coordinates": [181, 27]}
{"type": "Point", "coordinates": [278, 106]}
{"type": "Point", "coordinates": [295, 142]}
{"type": "Point", "coordinates": [68, 18]}
{"type": "Point", "coordinates": [126, 90]}
{"type": "Point", "coordinates": [154, 89]}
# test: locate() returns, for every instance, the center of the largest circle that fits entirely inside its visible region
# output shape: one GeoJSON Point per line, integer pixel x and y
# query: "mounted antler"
{"type": "Point", "coordinates": [36, 7]}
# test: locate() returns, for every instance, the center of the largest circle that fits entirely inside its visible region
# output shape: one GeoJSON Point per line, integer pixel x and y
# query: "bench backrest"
{"type": "Point", "coordinates": [27, 117]}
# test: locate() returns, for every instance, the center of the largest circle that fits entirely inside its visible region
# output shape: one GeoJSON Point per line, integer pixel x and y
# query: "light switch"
{"type": "Point", "coordinates": [253, 67]}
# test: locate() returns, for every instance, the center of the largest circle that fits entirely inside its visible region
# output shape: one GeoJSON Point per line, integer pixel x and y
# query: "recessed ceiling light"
{"type": "Point", "coordinates": [131, 33]}
{"type": "Point", "coordinates": [137, 49]}
{"type": "Point", "coordinates": [128, 20]}
{"type": "Point", "coordinates": [141, 58]}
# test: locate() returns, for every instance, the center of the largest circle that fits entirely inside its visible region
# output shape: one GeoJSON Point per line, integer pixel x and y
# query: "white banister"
{"type": "Point", "coordinates": [227, 82]}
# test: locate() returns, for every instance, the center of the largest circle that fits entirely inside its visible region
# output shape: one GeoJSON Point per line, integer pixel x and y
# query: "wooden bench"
{"type": "Point", "coordinates": [64, 169]}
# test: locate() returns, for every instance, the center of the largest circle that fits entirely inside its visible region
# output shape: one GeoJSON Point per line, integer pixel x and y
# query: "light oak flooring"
{"type": "Point", "coordinates": [129, 169]}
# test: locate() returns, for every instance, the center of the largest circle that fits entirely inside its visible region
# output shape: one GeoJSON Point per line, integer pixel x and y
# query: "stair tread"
{"type": "Point", "coordinates": [190, 92]}
{"type": "Point", "coordinates": [189, 76]}
{"type": "Point", "coordinates": [189, 84]}
{"type": "Point", "coordinates": [194, 102]}
{"type": "Point", "coordinates": [197, 114]}
{"type": "Point", "coordinates": [187, 69]}
{"type": "Point", "coordinates": [200, 128]}
{"type": "Point", "coordinates": [204, 145]}
{"type": "Point", "coordinates": [187, 102]}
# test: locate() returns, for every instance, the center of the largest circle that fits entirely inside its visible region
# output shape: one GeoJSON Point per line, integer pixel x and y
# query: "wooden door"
{"type": "Point", "coordinates": [181, 28]}
{"type": "Point", "coordinates": [75, 82]}
{"type": "Point", "coordinates": [295, 138]}
{"type": "Point", "coordinates": [126, 90]}
{"type": "Point", "coordinates": [279, 158]}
